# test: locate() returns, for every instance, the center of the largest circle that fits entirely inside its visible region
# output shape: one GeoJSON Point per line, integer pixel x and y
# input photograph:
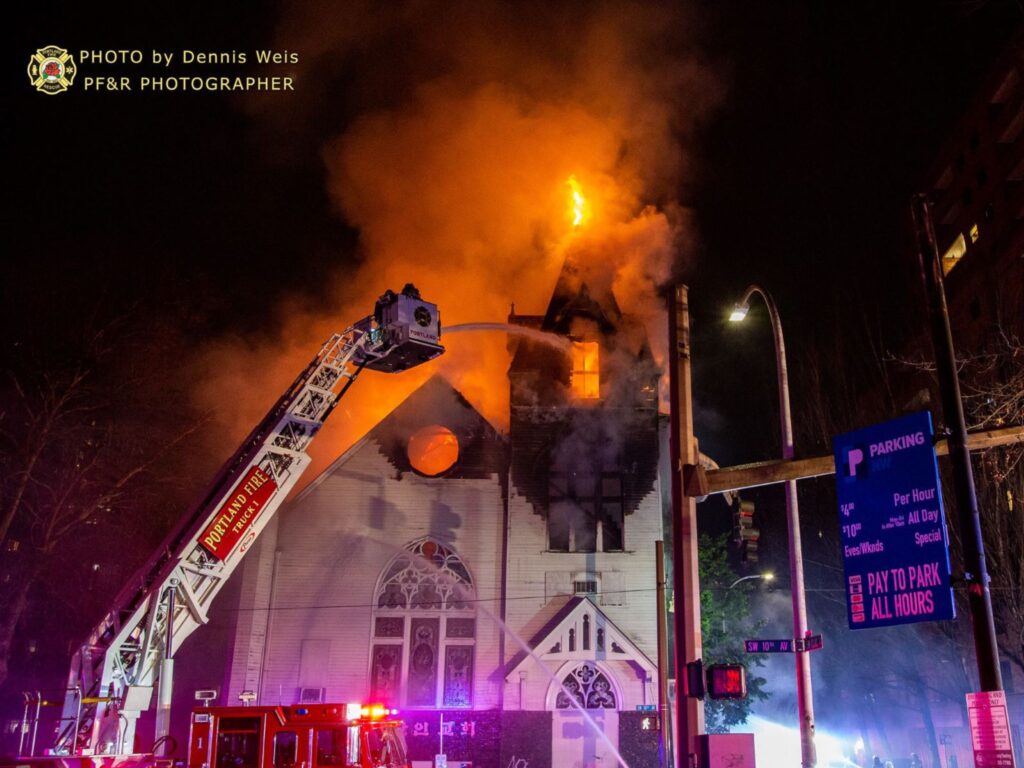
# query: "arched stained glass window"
{"type": "Point", "coordinates": [587, 687]}
{"type": "Point", "coordinates": [424, 629]}
{"type": "Point", "coordinates": [430, 577]}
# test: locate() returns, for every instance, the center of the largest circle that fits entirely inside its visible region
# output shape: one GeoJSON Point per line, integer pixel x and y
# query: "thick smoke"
{"type": "Point", "coordinates": [470, 119]}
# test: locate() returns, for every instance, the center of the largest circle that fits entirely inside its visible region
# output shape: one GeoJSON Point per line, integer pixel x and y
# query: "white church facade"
{"type": "Point", "coordinates": [505, 604]}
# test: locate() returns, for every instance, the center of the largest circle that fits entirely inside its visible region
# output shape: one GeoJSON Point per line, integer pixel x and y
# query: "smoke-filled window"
{"type": "Point", "coordinates": [424, 629]}
{"type": "Point", "coordinates": [586, 374]}
{"type": "Point", "coordinates": [585, 512]}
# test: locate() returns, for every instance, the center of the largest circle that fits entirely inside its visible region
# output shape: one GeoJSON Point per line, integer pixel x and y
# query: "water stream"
{"type": "Point", "coordinates": [535, 334]}
{"type": "Point", "coordinates": [470, 597]}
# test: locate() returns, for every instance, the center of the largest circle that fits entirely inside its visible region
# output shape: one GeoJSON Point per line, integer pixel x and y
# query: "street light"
{"type": "Point", "coordinates": [765, 576]}
{"type": "Point", "coordinates": [805, 698]}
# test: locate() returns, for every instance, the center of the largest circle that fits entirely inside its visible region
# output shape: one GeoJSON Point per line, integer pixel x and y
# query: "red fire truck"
{"type": "Point", "coordinates": [313, 736]}
{"type": "Point", "coordinates": [126, 666]}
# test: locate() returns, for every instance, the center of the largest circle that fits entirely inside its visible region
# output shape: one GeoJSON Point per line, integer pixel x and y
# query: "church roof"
{"type": "Point", "coordinates": [482, 449]}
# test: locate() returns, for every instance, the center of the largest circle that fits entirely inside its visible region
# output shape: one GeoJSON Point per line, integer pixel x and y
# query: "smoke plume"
{"type": "Point", "coordinates": [467, 122]}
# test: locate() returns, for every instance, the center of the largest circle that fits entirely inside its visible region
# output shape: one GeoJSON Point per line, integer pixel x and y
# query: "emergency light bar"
{"type": "Point", "coordinates": [357, 711]}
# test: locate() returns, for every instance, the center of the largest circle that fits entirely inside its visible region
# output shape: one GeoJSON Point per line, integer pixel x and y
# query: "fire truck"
{"type": "Point", "coordinates": [348, 735]}
{"type": "Point", "coordinates": [127, 662]}
{"type": "Point", "coordinates": [315, 736]}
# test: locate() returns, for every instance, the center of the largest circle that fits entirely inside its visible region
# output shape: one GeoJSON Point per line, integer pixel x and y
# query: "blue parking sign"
{"type": "Point", "coordinates": [892, 524]}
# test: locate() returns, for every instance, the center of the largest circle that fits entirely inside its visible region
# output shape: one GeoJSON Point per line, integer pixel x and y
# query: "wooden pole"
{"type": "Point", "coordinates": [685, 582]}
{"type": "Point", "coordinates": [770, 472]}
{"type": "Point", "coordinates": [663, 709]}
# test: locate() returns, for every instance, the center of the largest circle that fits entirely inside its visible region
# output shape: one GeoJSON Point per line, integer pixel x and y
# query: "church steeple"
{"type": "Point", "coordinates": [583, 414]}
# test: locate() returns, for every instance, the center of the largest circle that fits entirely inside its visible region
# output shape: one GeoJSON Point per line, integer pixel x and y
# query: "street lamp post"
{"type": "Point", "coordinates": [805, 698]}
{"type": "Point", "coordinates": [765, 576]}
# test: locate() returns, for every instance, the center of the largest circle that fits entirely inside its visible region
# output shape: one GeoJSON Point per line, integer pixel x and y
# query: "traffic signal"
{"type": "Point", "coordinates": [746, 534]}
{"type": "Point", "coordinates": [695, 679]}
{"type": "Point", "coordinates": [650, 723]}
{"type": "Point", "coordinates": [727, 681]}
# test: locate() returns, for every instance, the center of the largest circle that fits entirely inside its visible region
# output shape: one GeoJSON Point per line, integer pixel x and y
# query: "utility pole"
{"type": "Point", "coordinates": [663, 709]}
{"type": "Point", "coordinates": [685, 581]}
{"type": "Point", "coordinates": [979, 597]}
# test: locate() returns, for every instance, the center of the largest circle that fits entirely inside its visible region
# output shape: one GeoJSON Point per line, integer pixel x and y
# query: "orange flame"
{"type": "Point", "coordinates": [586, 376]}
{"type": "Point", "coordinates": [579, 202]}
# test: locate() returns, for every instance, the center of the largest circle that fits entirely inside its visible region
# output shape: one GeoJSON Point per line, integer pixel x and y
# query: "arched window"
{"type": "Point", "coordinates": [588, 687]}
{"type": "Point", "coordinates": [424, 629]}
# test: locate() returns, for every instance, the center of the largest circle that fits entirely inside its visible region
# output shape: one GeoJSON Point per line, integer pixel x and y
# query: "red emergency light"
{"type": "Point", "coordinates": [357, 711]}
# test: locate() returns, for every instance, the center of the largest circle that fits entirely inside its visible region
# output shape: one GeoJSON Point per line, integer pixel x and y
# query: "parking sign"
{"type": "Point", "coordinates": [892, 524]}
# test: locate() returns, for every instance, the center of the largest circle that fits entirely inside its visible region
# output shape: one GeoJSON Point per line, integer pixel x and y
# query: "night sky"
{"type": "Point", "coordinates": [207, 211]}
{"type": "Point", "coordinates": [209, 214]}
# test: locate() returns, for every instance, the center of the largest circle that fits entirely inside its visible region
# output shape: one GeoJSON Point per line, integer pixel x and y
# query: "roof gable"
{"type": "Point", "coordinates": [578, 623]}
{"type": "Point", "coordinates": [481, 448]}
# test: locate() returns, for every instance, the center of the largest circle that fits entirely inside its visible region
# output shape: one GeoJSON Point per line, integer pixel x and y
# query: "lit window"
{"type": "Point", "coordinates": [586, 377]}
{"type": "Point", "coordinates": [953, 254]}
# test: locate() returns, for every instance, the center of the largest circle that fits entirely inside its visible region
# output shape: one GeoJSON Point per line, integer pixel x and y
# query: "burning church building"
{"type": "Point", "coordinates": [497, 588]}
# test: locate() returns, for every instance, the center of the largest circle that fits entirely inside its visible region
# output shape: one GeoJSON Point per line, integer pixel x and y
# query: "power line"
{"type": "Point", "coordinates": [495, 600]}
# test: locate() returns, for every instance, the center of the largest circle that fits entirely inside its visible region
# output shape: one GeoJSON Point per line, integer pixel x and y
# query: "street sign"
{"type": "Point", "coordinates": [990, 730]}
{"type": "Point", "coordinates": [646, 707]}
{"type": "Point", "coordinates": [892, 525]}
{"type": "Point", "coordinates": [810, 643]}
{"type": "Point", "coordinates": [770, 646]}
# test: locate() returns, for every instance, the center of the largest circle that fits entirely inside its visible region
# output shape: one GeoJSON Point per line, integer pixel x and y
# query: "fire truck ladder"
{"type": "Point", "coordinates": [113, 674]}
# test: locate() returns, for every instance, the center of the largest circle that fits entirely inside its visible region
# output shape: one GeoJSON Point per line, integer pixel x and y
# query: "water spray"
{"type": "Point", "coordinates": [468, 596]}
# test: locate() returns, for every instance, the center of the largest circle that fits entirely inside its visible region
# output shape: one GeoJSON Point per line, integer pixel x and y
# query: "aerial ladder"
{"type": "Point", "coordinates": [129, 657]}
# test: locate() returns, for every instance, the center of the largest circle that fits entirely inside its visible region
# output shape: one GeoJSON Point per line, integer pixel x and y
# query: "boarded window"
{"type": "Point", "coordinates": [556, 583]}
{"type": "Point", "coordinates": [313, 661]}
{"type": "Point", "coordinates": [612, 588]}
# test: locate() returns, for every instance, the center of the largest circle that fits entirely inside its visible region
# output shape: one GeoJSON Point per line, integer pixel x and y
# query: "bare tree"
{"type": "Point", "coordinates": [852, 380]}
{"type": "Point", "coordinates": [993, 393]}
{"type": "Point", "coordinates": [76, 455]}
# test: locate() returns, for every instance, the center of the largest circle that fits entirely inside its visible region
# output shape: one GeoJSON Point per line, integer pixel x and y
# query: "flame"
{"type": "Point", "coordinates": [433, 450]}
{"type": "Point", "coordinates": [585, 379]}
{"type": "Point", "coordinates": [579, 202]}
